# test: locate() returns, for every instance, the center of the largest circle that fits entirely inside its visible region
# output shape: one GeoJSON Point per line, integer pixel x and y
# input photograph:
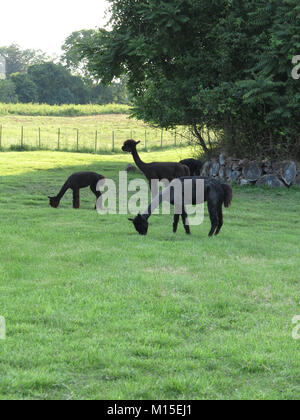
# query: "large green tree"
{"type": "Point", "coordinates": [26, 89]}
{"type": "Point", "coordinates": [56, 85]}
{"type": "Point", "coordinates": [72, 57]}
{"type": "Point", "coordinates": [18, 60]}
{"type": "Point", "coordinates": [8, 92]}
{"type": "Point", "coordinates": [76, 62]}
{"type": "Point", "coordinates": [222, 65]}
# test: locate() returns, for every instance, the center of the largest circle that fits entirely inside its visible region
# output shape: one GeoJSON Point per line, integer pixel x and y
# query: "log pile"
{"type": "Point", "coordinates": [245, 172]}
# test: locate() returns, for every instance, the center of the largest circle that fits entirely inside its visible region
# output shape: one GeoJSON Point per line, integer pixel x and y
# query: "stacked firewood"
{"type": "Point", "coordinates": [260, 173]}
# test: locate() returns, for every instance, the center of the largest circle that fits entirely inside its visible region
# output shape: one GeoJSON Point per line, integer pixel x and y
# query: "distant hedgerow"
{"type": "Point", "coordinates": [62, 110]}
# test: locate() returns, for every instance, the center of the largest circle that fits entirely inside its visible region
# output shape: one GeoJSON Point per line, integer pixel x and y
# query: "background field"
{"type": "Point", "coordinates": [95, 311]}
{"type": "Point", "coordinates": [45, 110]}
{"type": "Point", "coordinates": [86, 133]}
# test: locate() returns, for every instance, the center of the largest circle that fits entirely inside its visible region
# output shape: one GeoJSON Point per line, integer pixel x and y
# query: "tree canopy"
{"type": "Point", "coordinates": [18, 60]}
{"type": "Point", "coordinates": [33, 77]}
{"type": "Point", "coordinates": [72, 55]}
{"type": "Point", "coordinates": [25, 88]}
{"type": "Point", "coordinates": [56, 85]}
{"type": "Point", "coordinates": [223, 66]}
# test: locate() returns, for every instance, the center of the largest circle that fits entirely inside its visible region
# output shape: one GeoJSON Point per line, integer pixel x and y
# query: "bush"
{"type": "Point", "coordinates": [8, 92]}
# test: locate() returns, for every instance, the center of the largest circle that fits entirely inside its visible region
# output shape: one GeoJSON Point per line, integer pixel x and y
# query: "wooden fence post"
{"type": "Point", "coordinates": [96, 141]}
{"type": "Point", "coordinates": [58, 139]}
{"type": "Point", "coordinates": [39, 138]}
{"type": "Point", "coordinates": [22, 136]}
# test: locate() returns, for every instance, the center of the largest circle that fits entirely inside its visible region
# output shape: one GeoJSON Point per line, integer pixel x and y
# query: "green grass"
{"type": "Point", "coordinates": [62, 110]}
{"type": "Point", "coordinates": [93, 310]}
{"type": "Point", "coordinates": [112, 131]}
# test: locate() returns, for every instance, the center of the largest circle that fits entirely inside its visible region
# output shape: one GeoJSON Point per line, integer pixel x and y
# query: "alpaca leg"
{"type": "Point", "coordinates": [76, 199]}
{"type": "Point", "coordinates": [220, 217]}
{"type": "Point", "coordinates": [213, 214]}
{"type": "Point", "coordinates": [97, 193]}
{"type": "Point", "coordinates": [184, 217]}
{"type": "Point", "coordinates": [176, 221]}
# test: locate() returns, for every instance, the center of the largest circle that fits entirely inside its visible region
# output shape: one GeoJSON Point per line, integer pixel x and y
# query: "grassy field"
{"type": "Point", "coordinates": [93, 310]}
{"type": "Point", "coordinates": [52, 132]}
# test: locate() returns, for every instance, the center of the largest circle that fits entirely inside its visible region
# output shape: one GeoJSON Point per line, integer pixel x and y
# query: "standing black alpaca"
{"type": "Point", "coordinates": [193, 165]}
{"type": "Point", "coordinates": [155, 170]}
{"type": "Point", "coordinates": [75, 183]}
{"type": "Point", "coordinates": [215, 193]}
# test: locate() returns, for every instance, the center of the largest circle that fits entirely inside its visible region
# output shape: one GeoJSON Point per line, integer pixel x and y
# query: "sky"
{"type": "Point", "coordinates": [44, 25]}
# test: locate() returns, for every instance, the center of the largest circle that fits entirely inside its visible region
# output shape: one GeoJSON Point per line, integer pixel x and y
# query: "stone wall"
{"type": "Point", "coordinates": [260, 173]}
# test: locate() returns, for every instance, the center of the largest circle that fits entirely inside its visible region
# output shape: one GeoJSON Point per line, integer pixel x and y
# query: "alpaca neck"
{"type": "Point", "coordinates": [62, 192]}
{"type": "Point", "coordinates": [154, 205]}
{"type": "Point", "coordinates": [139, 163]}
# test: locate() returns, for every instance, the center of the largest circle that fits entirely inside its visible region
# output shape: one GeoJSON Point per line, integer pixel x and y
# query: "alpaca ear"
{"type": "Point", "coordinates": [137, 142]}
{"type": "Point", "coordinates": [131, 220]}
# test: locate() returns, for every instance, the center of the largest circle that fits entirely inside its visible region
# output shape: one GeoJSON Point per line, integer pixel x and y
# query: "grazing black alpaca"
{"type": "Point", "coordinates": [215, 193]}
{"type": "Point", "coordinates": [75, 183]}
{"type": "Point", "coordinates": [194, 166]}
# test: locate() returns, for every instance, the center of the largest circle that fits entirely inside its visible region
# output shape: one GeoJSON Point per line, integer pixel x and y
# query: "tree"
{"type": "Point", "coordinates": [8, 92]}
{"type": "Point", "coordinates": [72, 58]}
{"type": "Point", "coordinates": [26, 89]}
{"type": "Point", "coordinates": [55, 84]}
{"type": "Point", "coordinates": [223, 66]}
{"type": "Point", "coordinates": [18, 60]}
{"type": "Point", "coordinates": [74, 61]}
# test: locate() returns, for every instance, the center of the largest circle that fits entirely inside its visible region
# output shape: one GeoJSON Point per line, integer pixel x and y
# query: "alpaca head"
{"type": "Point", "coordinates": [140, 224]}
{"type": "Point", "coordinates": [54, 202]}
{"type": "Point", "coordinates": [130, 145]}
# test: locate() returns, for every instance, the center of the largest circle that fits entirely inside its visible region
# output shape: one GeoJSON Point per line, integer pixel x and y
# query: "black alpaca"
{"type": "Point", "coordinates": [193, 165]}
{"type": "Point", "coordinates": [155, 170]}
{"type": "Point", "coordinates": [215, 193]}
{"type": "Point", "coordinates": [75, 183]}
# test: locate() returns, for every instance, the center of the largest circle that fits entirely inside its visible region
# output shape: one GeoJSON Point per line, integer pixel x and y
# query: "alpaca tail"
{"type": "Point", "coordinates": [228, 193]}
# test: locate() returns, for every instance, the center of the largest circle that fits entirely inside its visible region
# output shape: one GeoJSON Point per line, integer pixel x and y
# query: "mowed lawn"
{"type": "Point", "coordinates": [93, 310]}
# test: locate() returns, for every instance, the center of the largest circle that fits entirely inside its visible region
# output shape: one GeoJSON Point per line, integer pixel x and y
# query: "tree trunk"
{"type": "Point", "coordinates": [201, 139]}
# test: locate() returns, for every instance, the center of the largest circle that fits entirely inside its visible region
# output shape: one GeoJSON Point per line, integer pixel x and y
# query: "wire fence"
{"type": "Point", "coordinates": [87, 140]}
